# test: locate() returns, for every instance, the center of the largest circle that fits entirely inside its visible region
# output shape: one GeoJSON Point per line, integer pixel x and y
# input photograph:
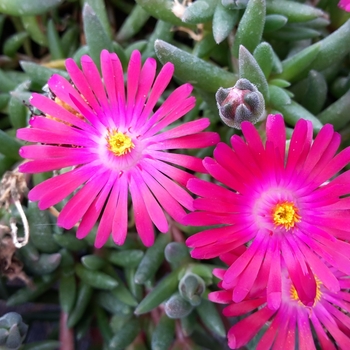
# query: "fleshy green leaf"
{"type": "Point", "coordinates": [337, 113]}
{"type": "Point", "coordinates": [162, 291]}
{"type": "Point", "coordinates": [194, 70]}
{"type": "Point", "coordinates": [133, 23]}
{"type": "Point", "coordinates": [223, 22]}
{"type": "Point", "coordinates": [161, 9]}
{"type": "Point", "coordinates": [263, 54]}
{"type": "Point", "coordinates": [152, 260]}
{"type": "Point", "coordinates": [250, 27]}
{"type": "Point", "coordinates": [294, 11]}
{"type": "Point", "coordinates": [293, 112]}
{"type": "Point", "coordinates": [96, 37]}
{"type": "Point", "coordinates": [316, 92]}
{"type": "Point", "coordinates": [250, 69]}
{"type": "Point", "coordinates": [164, 333]}
{"type": "Point", "coordinates": [200, 11]}
{"type": "Point", "coordinates": [27, 8]}
{"type": "Point", "coordinates": [274, 22]}
{"type": "Point", "coordinates": [294, 65]}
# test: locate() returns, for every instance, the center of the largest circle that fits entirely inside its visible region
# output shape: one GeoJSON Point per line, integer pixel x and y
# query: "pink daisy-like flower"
{"type": "Point", "coordinates": [345, 5]}
{"type": "Point", "coordinates": [323, 310]}
{"type": "Point", "coordinates": [280, 206]}
{"type": "Point", "coordinates": [115, 144]}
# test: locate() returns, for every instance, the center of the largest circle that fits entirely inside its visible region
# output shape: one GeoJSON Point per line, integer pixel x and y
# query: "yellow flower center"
{"type": "Point", "coordinates": [285, 214]}
{"type": "Point", "coordinates": [119, 143]}
{"type": "Point", "coordinates": [294, 294]}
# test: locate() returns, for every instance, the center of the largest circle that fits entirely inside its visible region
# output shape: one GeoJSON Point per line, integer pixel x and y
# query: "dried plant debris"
{"type": "Point", "coordinates": [10, 266]}
{"type": "Point", "coordinates": [12, 188]}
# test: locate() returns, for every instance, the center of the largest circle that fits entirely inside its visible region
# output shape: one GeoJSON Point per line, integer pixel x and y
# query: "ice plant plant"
{"type": "Point", "coordinates": [116, 145]}
{"type": "Point", "coordinates": [283, 207]}
{"type": "Point", "coordinates": [324, 311]}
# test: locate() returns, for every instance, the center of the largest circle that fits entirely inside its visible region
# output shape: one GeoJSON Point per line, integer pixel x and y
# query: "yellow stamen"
{"type": "Point", "coordinates": [285, 214]}
{"type": "Point", "coordinates": [119, 143]}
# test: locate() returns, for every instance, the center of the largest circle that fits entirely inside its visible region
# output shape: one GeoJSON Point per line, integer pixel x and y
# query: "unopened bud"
{"type": "Point", "coordinates": [177, 307]}
{"type": "Point", "coordinates": [191, 288]}
{"type": "Point", "coordinates": [243, 102]}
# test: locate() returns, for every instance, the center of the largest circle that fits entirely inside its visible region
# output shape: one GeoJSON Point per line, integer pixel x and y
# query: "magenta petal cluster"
{"type": "Point", "coordinates": [112, 144]}
{"type": "Point", "coordinates": [295, 324]}
{"type": "Point", "coordinates": [283, 204]}
{"type": "Point", "coordinates": [345, 5]}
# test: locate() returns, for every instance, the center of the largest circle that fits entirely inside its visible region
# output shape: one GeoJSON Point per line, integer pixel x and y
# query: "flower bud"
{"type": "Point", "coordinates": [243, 102]}
{"type": "Point", "coordinates": [191, 288]}
{"type": "Point", "coordinates": [12, 330]}
{"type": "Point", "coordinates": [177, 307]}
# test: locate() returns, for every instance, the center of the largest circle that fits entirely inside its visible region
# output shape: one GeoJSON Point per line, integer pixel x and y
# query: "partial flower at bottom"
{"type": "Point", "coordinates": [282, 207]}
{"type": "Point", "coordinates": [294, 323]}
{"type": "Point", "coordinates": [116, 145]}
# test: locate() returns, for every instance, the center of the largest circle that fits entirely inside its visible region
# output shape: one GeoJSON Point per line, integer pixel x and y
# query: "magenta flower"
{"type": "Point", "coordinates": [345, 5]}
{"type": "Point", "coordinates": [116, 144]}
{"type": "Point", "coordinates": [326, 311]}
{"type": "Point", "coordinates": [281, 207]}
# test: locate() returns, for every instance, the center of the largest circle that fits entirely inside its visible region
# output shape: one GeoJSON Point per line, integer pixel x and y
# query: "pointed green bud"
{"type": "Point", "coordinates": [177, 307]}
{"type": "Point", "coordinates": [243, 102]}
{"type": "Point", "coordinates": [191, 288]}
